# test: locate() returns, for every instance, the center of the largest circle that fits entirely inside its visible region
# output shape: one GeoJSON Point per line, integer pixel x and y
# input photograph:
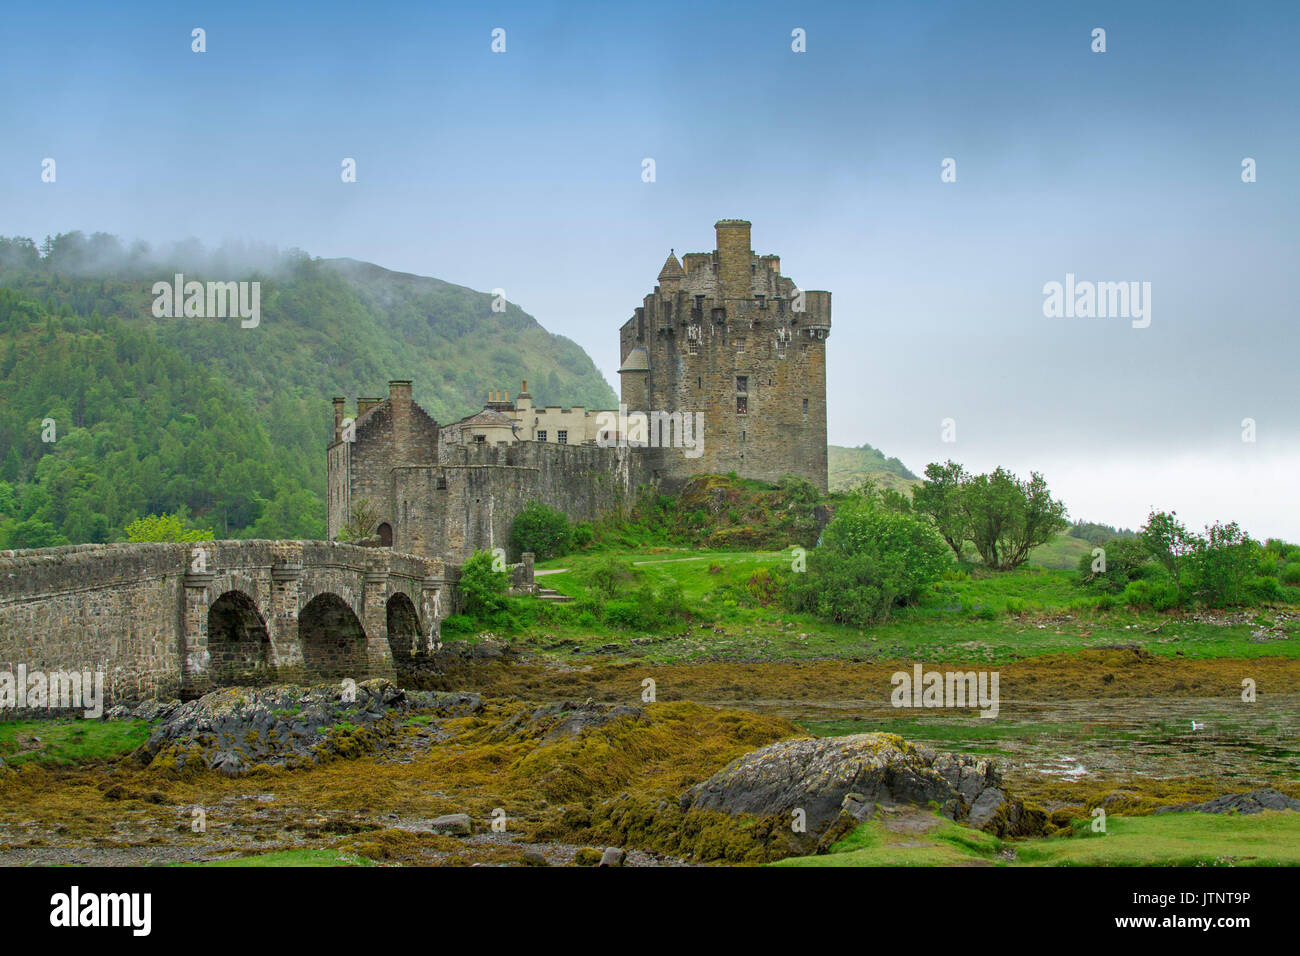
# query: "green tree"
{"type": "Point", "coordinates": [165, 527]}
{"type": "Point", "coordinates": [1168, 541]}
{"type": "Point", "coordinates": [1009, 517]}
{"type": "Point", "coordinates": [940, 497]}
{"type": "Point", "coordinates": [544, 531]}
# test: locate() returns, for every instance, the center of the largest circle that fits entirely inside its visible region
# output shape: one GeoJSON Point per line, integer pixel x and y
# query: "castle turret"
{"type": "Point", "coordinates": [672, 274]}
{"type": "Point", "coordinates": [735, 258]}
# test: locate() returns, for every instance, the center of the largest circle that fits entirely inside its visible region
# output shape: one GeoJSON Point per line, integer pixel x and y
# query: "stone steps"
{"type": "Point", "coordinates": [550, 594]}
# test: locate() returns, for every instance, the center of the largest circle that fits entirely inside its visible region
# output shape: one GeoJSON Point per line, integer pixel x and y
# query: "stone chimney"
{"type": "Point", "coordinates": [338, 417]}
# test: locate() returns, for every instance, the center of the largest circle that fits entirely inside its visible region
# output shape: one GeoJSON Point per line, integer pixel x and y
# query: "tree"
{"type": "Point", "coordinates": [940, 497]}
{"type": "Point", "coordinates": [165, 527]}
{"type": "Point", "coordinates": [1009, 517]}
{"type": "Point", "coordinates": [1168, 541]}
{"type": "Point", "coordinates": [1222, 562]}
{"type": "Point", "coordinates": [363, 519]}
{"type": "Point", "coordinates": [542, 530]}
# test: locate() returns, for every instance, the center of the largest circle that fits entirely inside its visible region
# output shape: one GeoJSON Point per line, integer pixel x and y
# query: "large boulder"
{"type": "Point", "coordinates": [1256, 801]}
{"type": "Point", "coordinates": [838, 782]}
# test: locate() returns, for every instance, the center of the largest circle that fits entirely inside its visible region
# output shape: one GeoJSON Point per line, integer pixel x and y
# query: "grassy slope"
{"type": "Point", "coordinates": [65, 742]}
{"type": "Point", "coordinates": [848, 467]}
{"type": "Point", "coordinates": [958, 620]}
{"type": "Point", "coordinates": [1175, 839]}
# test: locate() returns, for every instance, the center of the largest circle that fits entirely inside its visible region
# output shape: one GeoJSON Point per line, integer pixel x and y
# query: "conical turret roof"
{"type": "Point", "coordinates": [672, 268]}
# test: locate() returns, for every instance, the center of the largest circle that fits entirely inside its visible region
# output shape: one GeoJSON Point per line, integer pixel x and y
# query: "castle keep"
{"type": "Point", "coordinates": [724, 343]}
{"type": "Point", "coordinates": [725, 334]}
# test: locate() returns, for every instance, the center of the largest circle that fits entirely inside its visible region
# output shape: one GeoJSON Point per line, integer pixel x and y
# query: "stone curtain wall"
{"type": "Point", "coordinates": [142, 612]}
{"type": "Point", "coordinates": [469, 500]}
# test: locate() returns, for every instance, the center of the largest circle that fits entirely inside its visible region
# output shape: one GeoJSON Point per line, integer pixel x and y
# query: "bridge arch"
{"type": "Point", "coordinates": [239, 642]}
{"type": "Point", "coordinates": [405, 635]}
{"type": "Point", "coordinates": [332, 638]}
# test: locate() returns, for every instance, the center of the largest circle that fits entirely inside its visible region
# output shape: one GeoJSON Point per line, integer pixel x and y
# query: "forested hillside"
{"type": "Point", "coordinates": [227, 423]}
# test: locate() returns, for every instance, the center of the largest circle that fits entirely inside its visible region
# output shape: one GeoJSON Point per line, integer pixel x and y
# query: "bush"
{"type": "Point", "coordinates": [625, 615]}
{"type": "Point", "coordinates": [583, 535]}
{"type": "Point", "coordinates": [541, 530]}
{"type": "Point", "coordinates": [610, 576]}
{"type": "Point", "coordinates": [482, 590]}
{"type": "Point", "coordinates": [871, 559]}
{"type": "Point", "coordinates": [458, 624]}
{"type": "Point", "coordinates": [1015, 605]}
{"type": "Point", "coordinates": [1291, 573]}
{"type": "Point", "coordinates": [1127, 559]}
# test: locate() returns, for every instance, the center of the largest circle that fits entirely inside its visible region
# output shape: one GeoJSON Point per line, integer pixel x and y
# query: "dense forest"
{"type": "Point", "coordinates": [108, 414]}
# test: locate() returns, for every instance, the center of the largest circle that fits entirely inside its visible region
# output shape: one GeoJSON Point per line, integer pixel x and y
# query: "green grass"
{"type": "Point", "coordinates": [69, 741]}
{"type": "Point", "coordinates": [972, 615]}
{"type": "Point", "coordinates": [1173, 839]}
{"type": "Point", "coordinates": [1062, 553]}
{"type": "Point", "coordinates": [291, 858]}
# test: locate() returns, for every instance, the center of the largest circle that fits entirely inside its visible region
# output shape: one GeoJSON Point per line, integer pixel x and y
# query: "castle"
{"type": "Point", "coordinates": [723, 370]}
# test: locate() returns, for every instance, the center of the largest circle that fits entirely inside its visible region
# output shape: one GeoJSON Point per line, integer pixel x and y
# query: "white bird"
{"type": "Point", "coordinates": [1196, 726]}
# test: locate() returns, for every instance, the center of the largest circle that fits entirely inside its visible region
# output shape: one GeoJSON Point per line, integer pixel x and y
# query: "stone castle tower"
{"type": "Point", "coordinates": [726, 335]}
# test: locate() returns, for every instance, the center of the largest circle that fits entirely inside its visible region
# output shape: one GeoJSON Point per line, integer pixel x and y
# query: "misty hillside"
{"type": "Point", "coordinates": [848, 467]}
{"type": "Point", "coordinates": [158, 415]}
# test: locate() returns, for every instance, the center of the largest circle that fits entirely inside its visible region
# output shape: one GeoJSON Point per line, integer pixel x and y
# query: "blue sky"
{"type": "Point", "coordinates": [522, 171]}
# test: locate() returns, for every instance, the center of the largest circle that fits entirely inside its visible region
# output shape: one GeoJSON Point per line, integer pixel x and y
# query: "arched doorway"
{"type": "Point", "coordinates": [239, 646]}
{"type": "Point", "coordinates": [385, 535]}
{"type": "Point", "coordinates": [403, 628]}
{"type": "Point", "coordinates": [333, 641]}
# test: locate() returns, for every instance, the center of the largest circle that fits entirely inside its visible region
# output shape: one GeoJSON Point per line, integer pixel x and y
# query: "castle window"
{"type": "Point", "coordinates": [541, 435]}
{"type": "Point", "coordinates": [762, 302]}
{"type": "Point", "coordinates": [562, 437]}
{"type": "Point", "coordinates": [693, 347]}
{"type": "Point", "coordinates": [805, 406]}
{"type": "Point", "coordinates": [780, 306]}
{"type": "Point", "coordinates": [742, 383]}
{"type": "Point", "coordinates": [480, 439]}
{"type": "Point", "coordinates": [442, 481]}
{"type": "Point", "coordinates": [742, 405]}
{"type": "Point", "coordinates": [739, 344]}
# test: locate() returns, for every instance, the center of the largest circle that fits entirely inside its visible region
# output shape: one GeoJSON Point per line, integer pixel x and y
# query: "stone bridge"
{"type": "Point", "coordinates": [180, 619]}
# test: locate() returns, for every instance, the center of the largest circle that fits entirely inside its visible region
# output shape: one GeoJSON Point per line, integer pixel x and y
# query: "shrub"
{"type": "Point", "coordinates": [541, 530]}
{"type": "Point", "coordinates": [458, 624]}
{"type": "Point", "coordinates": [583, 535]}
{"type": "Point", "coordinates": [1127, 559]}
{"type": "Point", "coordinates": [1291, 573]}
{"type": "Point", "coordinates": [871, 558]}
{"type": "Point", "coordinates": [482, 590]}
{"type": "Point", "coordinates": [610, 576]}
{"type": "Point", "coordinates": [625, 615]}
{"type": "Point", "coordinates": [764, 587]}
{"type": "Point", "coordinates": [1015, 605]}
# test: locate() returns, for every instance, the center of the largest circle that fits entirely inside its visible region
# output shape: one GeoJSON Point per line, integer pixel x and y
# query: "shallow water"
{"type": "Point", "coordinates": [1076, 740]}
